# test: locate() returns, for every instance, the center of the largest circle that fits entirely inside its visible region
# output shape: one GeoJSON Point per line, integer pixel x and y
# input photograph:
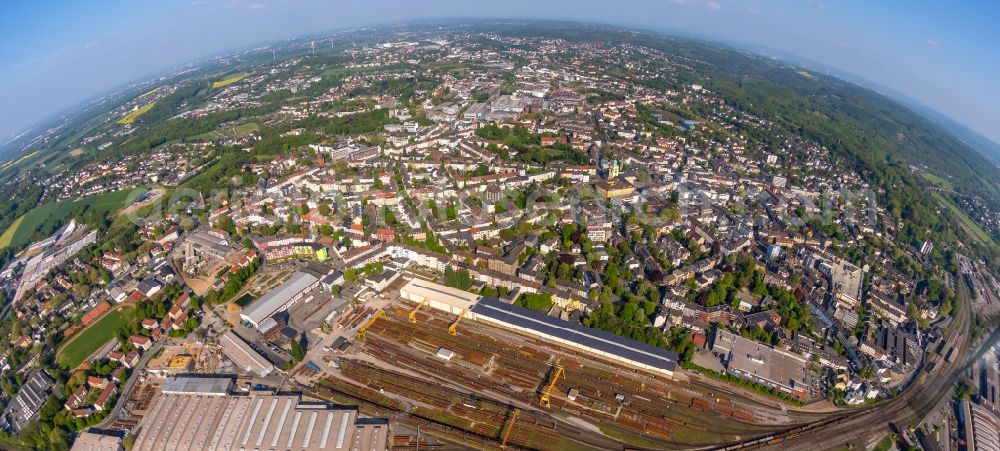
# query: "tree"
{"type": "Point", "coordinates": [226, 223]}
{"type": "Point", "coordinates": [298, 353]}
{"type": "Point", "coordinates": [457, 279]}
{"type": "Point", "coordinates": [539, 302]}
{"type": "Point", "coordinates": [963, 391]}
{"type": "Point", "coordinates": [867, 373]}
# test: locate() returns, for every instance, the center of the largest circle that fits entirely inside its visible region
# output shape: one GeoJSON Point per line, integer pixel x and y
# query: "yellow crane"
{"type": "Point", "coordinates": [453, 328]}
{"type": "Point", "coordinates": [547, 392]}
{"type": "Point", "coordinates": [371, 322]}
{"type": "Point", "coordinates": [510, 426]}
{"type": "Point", "coordinates": [413, 313]}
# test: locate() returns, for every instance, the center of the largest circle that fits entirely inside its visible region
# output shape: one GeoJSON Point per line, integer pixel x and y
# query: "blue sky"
{"type": "Point", "coordinates": [55, 54]}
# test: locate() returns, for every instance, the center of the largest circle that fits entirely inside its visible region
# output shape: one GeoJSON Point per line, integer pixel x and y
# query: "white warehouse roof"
{"type": "Point", "coordinates": [278, 298]}
{"type": "Point", "coordinates": [418, 290]}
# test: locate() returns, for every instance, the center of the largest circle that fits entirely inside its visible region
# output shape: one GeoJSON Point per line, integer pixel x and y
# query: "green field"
{"type": "Point", "coordinates": [93, 337]}
{"type": "Point", "coordinates": [937, 180]}
{"type": "Point", "coordinates": [247, 128]}
{"type": "Point", "coordinates": [340, 72]}
{"type": "Point", "coordinates": [8, 235]}
{"type": "Point", "coordinates": [46, 217]}
{"type": "Point", "coordinates": [970, 224]}
{"type": "Point", "coordinates": [209, 136]}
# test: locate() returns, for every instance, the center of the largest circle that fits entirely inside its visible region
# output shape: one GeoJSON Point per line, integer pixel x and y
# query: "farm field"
{"type": "Point", "coordinates": [131, 117]}
{"type": "Point", "coordinates": [46, 218]}
{"type": "Point", "coordinates": [150, 92]}
{"type": "Point", "coordinates": [93, 337]}
{"type": "Point", "coordinates": [229, 80]}
{"type": "Point", "coordinates": [13, 162]}
{"type": "Point", "coordinates": [8, 235]}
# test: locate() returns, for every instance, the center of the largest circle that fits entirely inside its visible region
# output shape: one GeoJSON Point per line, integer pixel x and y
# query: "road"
{"type": "Point", "coordinates": [123, 393]}
{"type": "Point", "coordinates": [907, 408]}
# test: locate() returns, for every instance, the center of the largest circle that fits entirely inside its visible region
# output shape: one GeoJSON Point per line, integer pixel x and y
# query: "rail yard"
{"type": "Point", "coordinates": [485, 386]}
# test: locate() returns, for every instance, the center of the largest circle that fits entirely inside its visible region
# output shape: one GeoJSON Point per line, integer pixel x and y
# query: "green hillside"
{"type": "Point", "coordinates": [45, 219]}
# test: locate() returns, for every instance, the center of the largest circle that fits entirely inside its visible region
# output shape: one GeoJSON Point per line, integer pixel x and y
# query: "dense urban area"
{"type": "Point", "coordinates": [497, 235]}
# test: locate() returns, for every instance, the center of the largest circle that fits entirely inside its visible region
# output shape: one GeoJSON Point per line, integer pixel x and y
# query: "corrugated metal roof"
{"type": "Point", "coordinates": [197, 385]}
{"type": "Point", "coordinates": [243, 355]}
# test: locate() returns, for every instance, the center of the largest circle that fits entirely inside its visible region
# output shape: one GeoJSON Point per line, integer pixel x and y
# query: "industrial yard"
{"type": "Point", "coordinates": [487, 386]}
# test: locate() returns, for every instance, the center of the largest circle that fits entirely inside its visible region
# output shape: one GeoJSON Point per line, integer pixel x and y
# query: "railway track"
{"type": "Point", "coordinates": [655, 407]}
{"type": "Point", "coordinates": [911, 406]}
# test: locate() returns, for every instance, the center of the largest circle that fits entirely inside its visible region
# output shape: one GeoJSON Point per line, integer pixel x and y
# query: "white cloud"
{"type": "Point", "coordinates": [257, 6]}
{"type": "Point", "coordinates": [712, 6]}
{"type": "Point", "coordinates": [933, 44]}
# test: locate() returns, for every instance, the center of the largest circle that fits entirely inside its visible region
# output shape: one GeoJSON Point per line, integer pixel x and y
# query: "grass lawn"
{"type": "Point", "coordinates": [46, 217]}
{"type": "Point", "coordinates": [973, 227]}
{"type": "Point", "coordinates": [93, 337]}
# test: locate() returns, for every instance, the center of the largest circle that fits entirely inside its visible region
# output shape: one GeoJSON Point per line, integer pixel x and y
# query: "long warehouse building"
{"type": "Point", "coordinates": [575, 336]}
{"type": "Point", "coordinates": [188, 420]}
{"type": "Point", "coordinates": [279, 299]}
{"type": "Point", "coordinates": [244, 356]}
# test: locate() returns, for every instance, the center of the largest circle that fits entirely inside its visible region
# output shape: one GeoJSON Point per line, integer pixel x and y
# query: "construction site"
{"type": "Point", "coordinates": [433, 364]}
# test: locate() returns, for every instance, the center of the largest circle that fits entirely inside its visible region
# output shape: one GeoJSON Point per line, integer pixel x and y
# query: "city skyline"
{"type": "Point", "coordinates": [934, 55]}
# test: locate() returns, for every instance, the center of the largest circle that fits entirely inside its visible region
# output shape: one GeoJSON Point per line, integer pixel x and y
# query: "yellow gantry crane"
{"type": "Point", "coordinates": [371, 322]}
{"type": "Point", "coordinates": [547, 392]}
{"type": "Point", "coordinates": [413, 313]}
{"type": "Point", "coordinates": [510, 426]}
{"type": "Point", "coordinates": [453, 328]}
